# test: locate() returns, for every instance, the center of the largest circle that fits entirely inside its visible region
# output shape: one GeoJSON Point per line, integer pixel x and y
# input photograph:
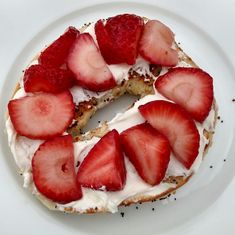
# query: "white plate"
{"type": "Point", "coordinates": [204, 188]}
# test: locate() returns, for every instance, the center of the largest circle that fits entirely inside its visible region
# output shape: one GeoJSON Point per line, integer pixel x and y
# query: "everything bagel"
{"type": "Point", "coordinates": [137, 83]}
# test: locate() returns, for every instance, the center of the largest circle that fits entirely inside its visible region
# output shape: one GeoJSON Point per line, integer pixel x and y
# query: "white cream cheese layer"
{"type": "Point", "coordinates": [24, 148]}
{"type": "Point", "coordinates": [111, 200]}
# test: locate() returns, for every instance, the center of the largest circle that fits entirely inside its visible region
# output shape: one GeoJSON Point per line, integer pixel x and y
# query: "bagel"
{"type": "Point", "coordinates": [139, 84]}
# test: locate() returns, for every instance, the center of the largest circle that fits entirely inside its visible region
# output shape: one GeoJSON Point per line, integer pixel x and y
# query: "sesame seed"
{"type": "Point", "coordinates": [211, 166]}
{"type": "Point", "coordinates": [153, 209]}
{"type": "Point", "coordinates": [224, 160]}
{"type": "Point", "coordinates": [136, 207]}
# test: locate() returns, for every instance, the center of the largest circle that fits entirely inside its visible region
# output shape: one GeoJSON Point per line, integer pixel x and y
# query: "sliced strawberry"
{"type": "Point", "coordinates": [175, 123]}
{"type": "Point", "coordinates": [42, 116]}
{"type": "Point", "coordinates": [192, 88]}
{"type": "Point", "coordinates": [53, 170]}
{"type": "Point", "coordinates": [88, 65]}
{"type": "Point", "coordinates": [56, 54]}
{"type": "Point", "coordinates": [156, 42]}
{"type": "Point", "coordinates": [118, 39]}
{"type": "Point", "coordinates": [148, 150]}
{"type": "Point", "coordinates": [106, 46]}
{"type": "Point", "coordinates": [52, 80]}
{"type": "Point", "coordinates": [104, 165]}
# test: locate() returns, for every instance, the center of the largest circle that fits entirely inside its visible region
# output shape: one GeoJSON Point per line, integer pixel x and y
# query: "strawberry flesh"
{"type": "Point", "coordinates": [192, 88]}
{"type": "Point", "coordinates": [106, 46]}
{"type": "Point", "coordinates": [175, 123]}
{"type": "Point", "coordinates": [104, 165]}
{"type": "Point", "coordinates": [155, 44]}
{"type": "Point", "coordinates": [54, 172]}
{"type": "Point", "coordinates": [55, 55]}
{"type": "Point", "coordinates": [148, 150]}
{"type": "Point", "coordinates": [43, 115]}
{"type": "Point", "coordinates": [88, 65]}
{"type": "Point", "coordinates": [118, 39]}
{"type": "Point", "coordinates": [53, 80]}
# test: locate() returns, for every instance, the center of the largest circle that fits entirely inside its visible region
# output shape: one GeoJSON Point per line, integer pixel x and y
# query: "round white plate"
{"type": "Point", "coordinates": [202, 190]}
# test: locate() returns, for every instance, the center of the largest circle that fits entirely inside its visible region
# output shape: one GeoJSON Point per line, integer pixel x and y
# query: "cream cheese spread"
{"type": "Point", "coordinates": [24, 148]}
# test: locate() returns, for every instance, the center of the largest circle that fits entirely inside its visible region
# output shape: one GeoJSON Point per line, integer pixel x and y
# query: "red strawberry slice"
{"type": "Point", "coordinates": [148, 150]}
{"type": "Point", "coordinates": [118, 39]}
{"type": "Point", "coordinates": [104, 165]}
{"type": "Point", "coordinates": [56, 54]}
{"type": "Point", "coordinates": [192, 88]}
{"type": "Point", "coordinates": [106, 46]}
{"type": "Point", "coordinates": [53, 170]}
{"type": "Point", "coordinates": [88, 65]}
{"type": "Point", "coordinates": [42, 116]}
{"type": "Point", "coordinates": [52, 80]}
{"type": "Point", "coordinates": [174, 122]}
{"type": "Point", "coordinates": [155, 44]}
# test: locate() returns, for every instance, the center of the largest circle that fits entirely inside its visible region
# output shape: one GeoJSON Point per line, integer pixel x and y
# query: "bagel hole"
{"type": "Point", "coordinates": [108, 112]}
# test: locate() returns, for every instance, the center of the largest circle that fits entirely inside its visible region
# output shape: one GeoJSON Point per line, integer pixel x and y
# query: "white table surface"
{"type": "Point", "coordinates": [21, 20]}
